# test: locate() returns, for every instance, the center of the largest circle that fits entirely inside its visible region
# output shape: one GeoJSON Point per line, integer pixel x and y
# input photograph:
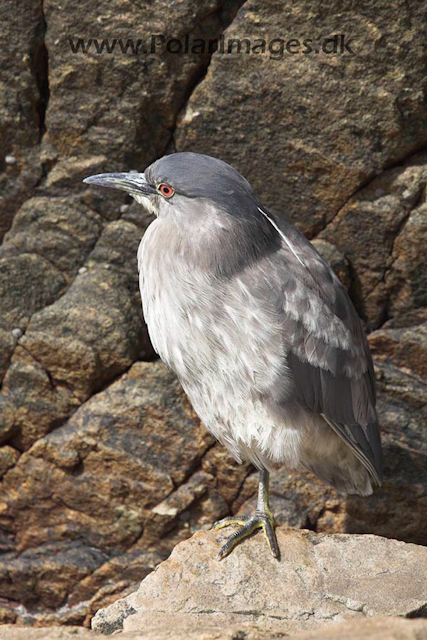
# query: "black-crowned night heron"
{"type": "Point", "coordinates": [260, 332]}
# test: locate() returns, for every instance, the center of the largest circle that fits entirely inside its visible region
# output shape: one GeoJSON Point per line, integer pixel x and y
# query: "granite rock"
{"type": "Point", "coordinates": [320, 578]}
{"type": "Point", "coordinates": [377, 628]}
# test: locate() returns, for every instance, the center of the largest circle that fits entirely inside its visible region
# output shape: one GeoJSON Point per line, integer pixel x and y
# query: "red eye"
{"type": "Point", "coordinates": [166, 190]}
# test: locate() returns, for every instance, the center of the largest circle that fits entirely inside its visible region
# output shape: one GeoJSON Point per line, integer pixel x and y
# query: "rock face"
{"type": "Point", "coordinates": [381, 230]}
{"type": "Point", "coordinates": [103, 465]}
{"type": "Point", "coordinates": [23, 101]}
{"type": "Point", "coordinates": [308, 131]}
{"type": "Point", "coordinates": [320, 578]}
{"type": "Point", "coordinates": [130, 475]}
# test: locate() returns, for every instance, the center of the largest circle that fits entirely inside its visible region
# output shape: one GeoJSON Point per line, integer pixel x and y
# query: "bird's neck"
{"type": "Point", "coordinates": [220, 246]}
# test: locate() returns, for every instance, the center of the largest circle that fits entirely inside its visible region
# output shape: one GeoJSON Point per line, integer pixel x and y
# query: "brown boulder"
{"type": "Point", "coordinates": [309, 130]}
{"type": "Point", "coordinates": [382, 232]}
{"type": "Point", "coordinates": [90, 509]}
{"type": "Point", "coordinates": [82, 317]}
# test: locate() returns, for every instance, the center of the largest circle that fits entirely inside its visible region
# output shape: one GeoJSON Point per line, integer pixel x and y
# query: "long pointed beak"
{"type": "Point", "coordinates": [133, 183]}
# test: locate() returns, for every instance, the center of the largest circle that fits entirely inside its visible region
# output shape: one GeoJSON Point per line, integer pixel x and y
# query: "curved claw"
{"type": "Point", "coordinates": [229, 520]}
{"type": "Point", "coordinates": [248, 525]}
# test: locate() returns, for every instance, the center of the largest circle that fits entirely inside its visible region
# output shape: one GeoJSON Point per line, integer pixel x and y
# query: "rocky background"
{"type": "Point", "coordinates": [104, 465]}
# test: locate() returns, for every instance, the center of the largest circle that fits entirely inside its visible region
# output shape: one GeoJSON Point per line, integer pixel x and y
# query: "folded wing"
{"type": "Point", "coordinates": [327, 352]}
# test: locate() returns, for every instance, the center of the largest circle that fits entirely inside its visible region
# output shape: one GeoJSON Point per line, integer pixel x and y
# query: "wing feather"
{"type": "Point", "coordinates": [327, 351]}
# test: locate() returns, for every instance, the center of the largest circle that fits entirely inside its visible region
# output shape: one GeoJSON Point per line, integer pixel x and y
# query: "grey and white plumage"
{"type": "Point", "coordinates": [259, 330]}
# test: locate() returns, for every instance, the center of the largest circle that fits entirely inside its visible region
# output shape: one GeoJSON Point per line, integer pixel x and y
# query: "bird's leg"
{"type": "Point", "coordinates": [263, 519]}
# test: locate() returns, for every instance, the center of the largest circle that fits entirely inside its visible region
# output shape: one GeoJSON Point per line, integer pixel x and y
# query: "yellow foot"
{"type": "Point", "coordinates": [248, 525]}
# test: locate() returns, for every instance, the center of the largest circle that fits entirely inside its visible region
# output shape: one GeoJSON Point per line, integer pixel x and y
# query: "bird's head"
{"type": "Point", "coordinates": [209, 203]}
{"type": "Point", "coordinates": [184, 183]}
